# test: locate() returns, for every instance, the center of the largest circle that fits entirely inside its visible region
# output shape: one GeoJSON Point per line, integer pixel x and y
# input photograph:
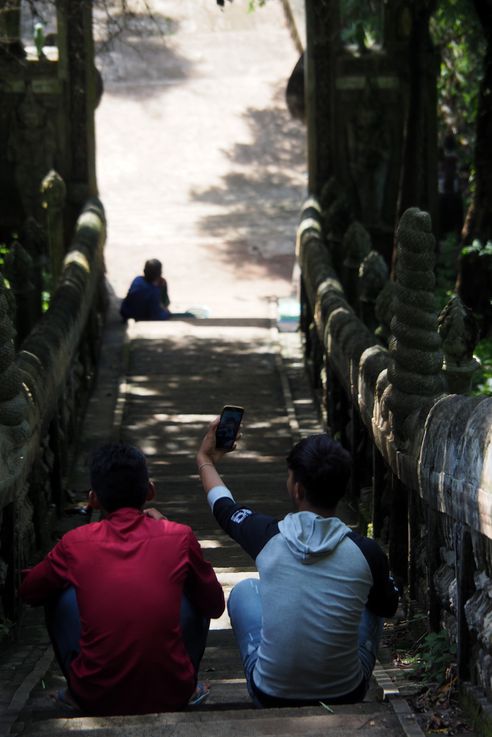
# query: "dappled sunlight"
{"type": "Point", "coordinates": [140, 58]}
{"type": "Point", "coordinates": [88, 724]}
{"type": "Point", "coordinates": [169, 424]}
{"type": "Point", "coordinates": [258, 201]}
{"type": "Point", "coordinates": [210, 544]}
{"type": "Point", "coordinates": [79, 259]}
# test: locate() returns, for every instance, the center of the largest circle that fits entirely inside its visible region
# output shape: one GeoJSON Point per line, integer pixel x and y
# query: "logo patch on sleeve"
{"type": "Point", "coordinates": [240, 515]}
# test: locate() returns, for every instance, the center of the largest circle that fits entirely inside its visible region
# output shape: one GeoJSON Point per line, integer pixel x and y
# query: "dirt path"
{"type": "Point", "coordinates": [199, 163]}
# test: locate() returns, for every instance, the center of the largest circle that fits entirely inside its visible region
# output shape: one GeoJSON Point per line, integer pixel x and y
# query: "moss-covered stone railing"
{"type": "Point", "coordinates": [422, 456]}
{"type": "Point", "coordinates": [43, 388]}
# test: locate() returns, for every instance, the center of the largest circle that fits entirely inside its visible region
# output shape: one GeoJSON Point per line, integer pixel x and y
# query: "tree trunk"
{"type": "Point", "coordinates": [322, 42]}
{"type": "Point", "coordinates": [416, 189]}
{"type": "Point", "coordinates": [479, 217]}
{"type": "Point", "coordinates": [474, 283]}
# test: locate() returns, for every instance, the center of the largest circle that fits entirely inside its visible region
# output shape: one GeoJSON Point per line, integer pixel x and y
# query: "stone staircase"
{"type": "Point", "coordinates": [173, 379]}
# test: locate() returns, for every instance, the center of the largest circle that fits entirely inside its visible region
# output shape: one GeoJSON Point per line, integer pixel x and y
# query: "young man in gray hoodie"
{"type": "Point", "coordinates": [308, 630]}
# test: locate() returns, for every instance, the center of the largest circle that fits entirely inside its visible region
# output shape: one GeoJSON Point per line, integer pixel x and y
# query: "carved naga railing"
{"type": "Point", "coordinates": [422, 456]}
{"type": "Point", "coordinates": [43, 389]}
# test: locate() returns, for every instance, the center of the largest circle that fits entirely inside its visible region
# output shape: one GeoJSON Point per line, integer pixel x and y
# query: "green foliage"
{"type": "Point", "coordinates": [4, 249]}
{"type": "Point", "coordinates": [478, 248]}
{"type": "Point", "coordinates": [433, 657]}
{"type": "Point", "coordinates": [253, 4]}
{"type": "Point", "coordinates": [361, 22]}
{"type": "Point", "coordinates": [458, 35]}
{"type": "Point", "coordinates": [46, 293]}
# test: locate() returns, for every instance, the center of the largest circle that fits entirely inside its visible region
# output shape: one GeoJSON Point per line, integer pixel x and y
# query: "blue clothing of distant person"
{"type": "Point", "coordinates": [147, 298]}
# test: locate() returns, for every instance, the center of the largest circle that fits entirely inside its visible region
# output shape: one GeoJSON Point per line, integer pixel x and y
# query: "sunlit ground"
{"type": "Point", "coordinates": [199, 163]}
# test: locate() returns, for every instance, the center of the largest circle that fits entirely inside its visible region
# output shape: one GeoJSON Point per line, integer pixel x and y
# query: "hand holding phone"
{"type": "Point", "coordinates": [228, 427]}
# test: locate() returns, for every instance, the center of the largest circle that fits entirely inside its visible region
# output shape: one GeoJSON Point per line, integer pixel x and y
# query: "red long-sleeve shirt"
{"type": "Point", "coordinates": [129, 572]}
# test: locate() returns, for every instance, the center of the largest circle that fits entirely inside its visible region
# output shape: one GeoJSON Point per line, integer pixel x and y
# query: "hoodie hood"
{"type": "Point", "coordinates": [308, 535]}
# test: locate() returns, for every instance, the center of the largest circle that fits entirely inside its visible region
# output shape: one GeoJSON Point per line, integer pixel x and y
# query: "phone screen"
{"type": "Point", "coordinates": [228, 427]}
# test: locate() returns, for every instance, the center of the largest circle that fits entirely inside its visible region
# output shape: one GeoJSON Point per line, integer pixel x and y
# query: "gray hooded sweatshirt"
{"type": "Point", "coordinates": [316, 576]}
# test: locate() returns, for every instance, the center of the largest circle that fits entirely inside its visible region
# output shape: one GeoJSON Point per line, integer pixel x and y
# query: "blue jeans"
{"type": "Point", "coordinates": [245, 612]}
{"type": "Point", "coordinates": [63, 624]}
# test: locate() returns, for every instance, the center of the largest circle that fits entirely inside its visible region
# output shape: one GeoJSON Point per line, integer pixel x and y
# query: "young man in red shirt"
{"type": "Point", "coordinates": [128, 599]}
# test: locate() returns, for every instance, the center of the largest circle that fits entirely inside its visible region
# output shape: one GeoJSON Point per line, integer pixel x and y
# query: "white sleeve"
{"type": "Point", "coordinates": [218, 492]}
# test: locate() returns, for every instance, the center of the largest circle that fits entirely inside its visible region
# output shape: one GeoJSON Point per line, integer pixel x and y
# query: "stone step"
{"type": "Point", "coordinates": [160, 415]}
{"type": "Point", "coordinates": [365, 719]}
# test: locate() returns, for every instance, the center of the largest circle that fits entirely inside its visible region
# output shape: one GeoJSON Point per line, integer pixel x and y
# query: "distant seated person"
{"type": "Point", "coordinates": [147, 298]}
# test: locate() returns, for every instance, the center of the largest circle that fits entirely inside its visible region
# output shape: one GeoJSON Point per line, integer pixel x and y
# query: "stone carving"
{"type": "Point", "coordinates": [373, 275]}
{"type": "Point", "coordinates": [12, 404]}
{"type": "Point", "coordinates": [356, 244]}
{"type": "Point", "coordinates": [459, 333]}
{"type": "Point", "coordinates": [31, 148]}
{"type": "Point", "coordinates": [337, 215]}
{"type": "Point", "coordinates": [18, 266]}
{"type": "Point", "coordinates": [368, 148]}
{"type": "Point", "coordinates": [34, 239]}
{"type": "Point", "coordinates": [9, 299]}
{"type": "Point", "coordinates": [53, 192]}
{"type": "Point", "coordinates": [384, 310]}
{"type": "Point", "coordinates": [414, 373]}
{"type": "Point", "coordinates": [479, 619]}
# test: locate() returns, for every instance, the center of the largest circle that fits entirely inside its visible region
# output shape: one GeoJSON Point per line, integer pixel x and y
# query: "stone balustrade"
{"type": "Point", "coordinates": [44, 388]}
{"type": "Point", "coordinates": [431, 474]}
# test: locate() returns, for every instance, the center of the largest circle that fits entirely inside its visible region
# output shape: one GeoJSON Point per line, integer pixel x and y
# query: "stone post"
{"type": "Point", "coordinates": [356, 245]}
{"type": "Point", "coordinates": [414, 373]}
{"type": "Point", "coordinates": [419, 170]}
{"type": "Point", "coordinates": [12, 405]}
{"type": "Point", "coordinates": [322, 42]}
{"type": "Point", "coordinates": [373, 275]}
{"type": "Point", "coordinates": [337, 215]}
{"type": "Point", "coordinates": [53, 192]}
{"type": "Point", "coordinates": [384, 310]}
{"type": "Point", "coordinates": [34, 238]}
{"type": "Point", "coordinates": [18, 268]}
{"type": "Point", "coordinates": [81, 95]}
{"type": "Point", "coordinates": [459, 332]}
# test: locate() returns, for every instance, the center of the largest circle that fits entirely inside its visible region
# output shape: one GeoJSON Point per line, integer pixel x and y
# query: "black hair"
{"type": "Point", "coordinates": [152, 269]}
{"type": "Point", "coordinates": [119, 476]}
{"type": "Point", "coordinates": [322, 467]}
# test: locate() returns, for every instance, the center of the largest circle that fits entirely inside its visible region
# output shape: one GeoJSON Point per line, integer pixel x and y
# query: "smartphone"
{"type": "Point", "coordinates": [228, 427]}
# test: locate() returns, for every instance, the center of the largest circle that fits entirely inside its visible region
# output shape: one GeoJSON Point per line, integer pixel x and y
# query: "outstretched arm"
{"type": "Point", "coordinates": [207, 457]}
{"type": "Point", "coordinates": [248, 528]}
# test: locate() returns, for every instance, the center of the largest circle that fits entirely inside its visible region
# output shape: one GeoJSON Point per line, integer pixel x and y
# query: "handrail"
{"type": "Point", "coordinates": [47, 352]}
{"type": "Point", "coordinates": [449, 459]}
